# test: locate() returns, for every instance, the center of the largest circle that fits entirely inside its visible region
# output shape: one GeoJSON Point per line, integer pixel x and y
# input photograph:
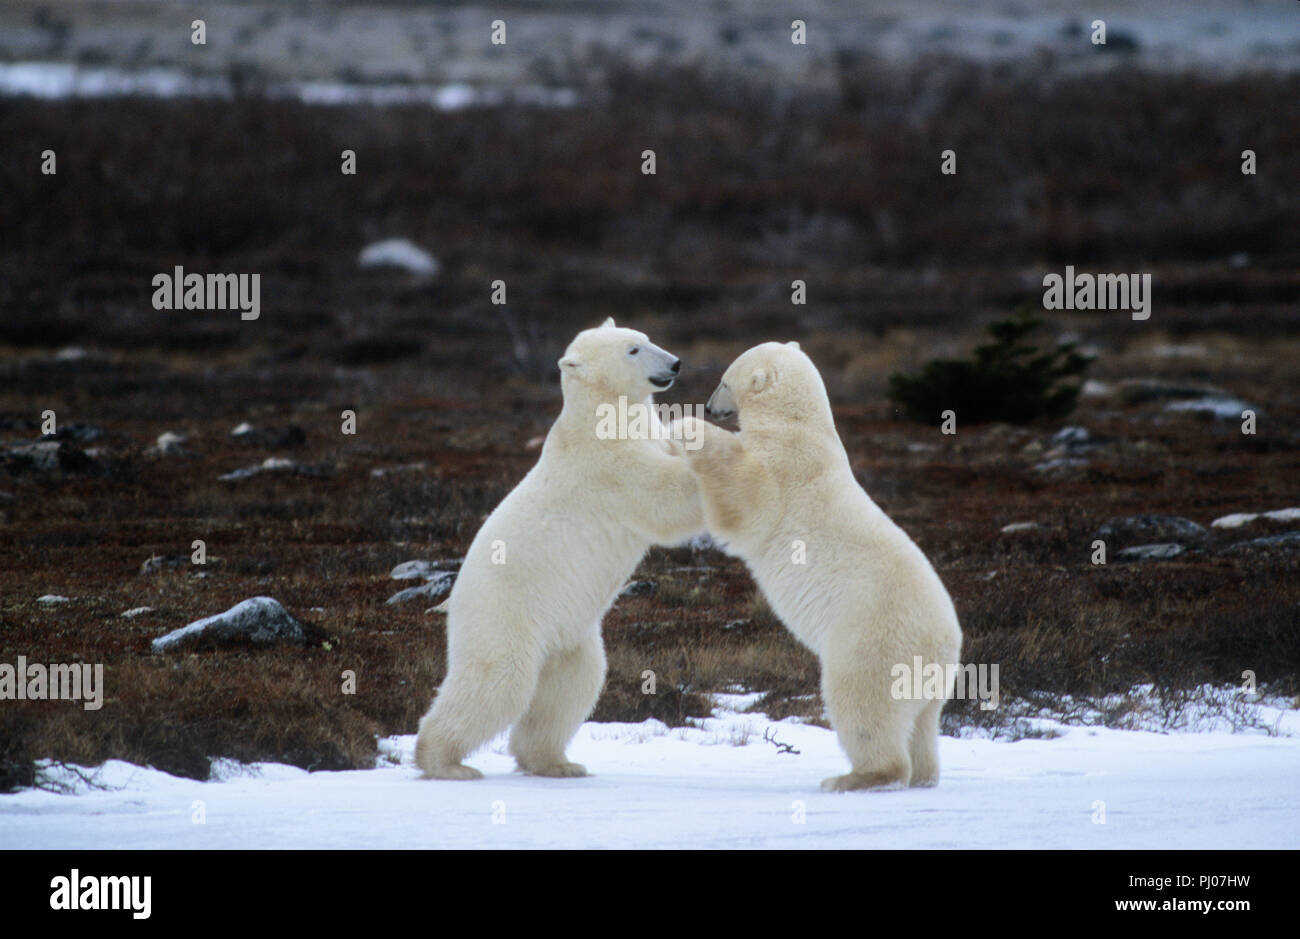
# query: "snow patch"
{"type": "Point", "coordinates": [657, 787]}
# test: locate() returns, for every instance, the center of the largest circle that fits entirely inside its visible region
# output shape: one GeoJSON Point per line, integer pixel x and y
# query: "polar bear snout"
{"type": "Point", "coordinates": [722, 404]}
{"type": "Point", "coordinates": [665, 378]}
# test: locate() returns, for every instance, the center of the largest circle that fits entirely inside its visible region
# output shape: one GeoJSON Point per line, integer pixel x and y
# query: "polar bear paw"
{"type": "Point", "coordinates": [560, 769]}
{"type": "Point", "coordinates": [452, 771]}
{"type": "Point", "coordinates": [851, 781]}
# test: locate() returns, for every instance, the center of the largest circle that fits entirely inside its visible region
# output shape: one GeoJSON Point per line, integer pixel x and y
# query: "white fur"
{"type": "Point", "coordinates": [865, 599]}
{"type": "Point", "coordinates": [523, 637]}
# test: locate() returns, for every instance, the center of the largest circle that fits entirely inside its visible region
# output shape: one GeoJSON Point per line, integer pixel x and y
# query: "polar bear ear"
{"type": "Point", "coordinates": [609, 321]}
{"type": "Point", "coordinates": [792, 344]}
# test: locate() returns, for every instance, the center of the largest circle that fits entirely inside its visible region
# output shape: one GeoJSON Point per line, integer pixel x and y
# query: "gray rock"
{"type": "Point", "coordinates": [1283, 541]}
{"type": "Point", "coordinates": [1235, 520]}
{"type": "Point", "coordinates": [1118, 41]}
{"type": "Point", "coordinates": [259, 620]}
{"type": "Point", "coordinates": [170, 444]}
{"type": "Point", "coordinates": [163, 562]}
{"type": "Point", "coordinates": [48, 457]}
{"type": "Point", "coordinates": [1059, 463]}
{"type": "Point", "coordinates": [78, 433]}
{"type": "Point", "coordinates": [412, 570]}
{"type": "Point", "coordinates": [271, 438]}
{"type": "Point", "coordinates": [1225, 409]}
{"type": "Point", "coordinates": [399, 253]}
{"type": "Point", "coordinates": [275, 464]}
{"type": "Point", "coordinates": [1150, 529]}
{"type": "Point", "coordinates": [1138, 391]}
{"type": "Point", "coordinates": [436, 586]}
{"type": "Point", "coordinates": [270, 465]}
{"type": "Point", "coordinates": [1071, 436]}
{"type": "Point", "coordinates": [1151, 552]}
{"type": "Point", "coordinates": [1066, 448]}
{"type": "Point", "coordinates": [381, 471]}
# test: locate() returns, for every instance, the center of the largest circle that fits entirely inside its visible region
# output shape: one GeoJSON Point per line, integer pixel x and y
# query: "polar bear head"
{"type": "Point", "coordinates": [611, 360]}
{"type": "Point", "coordinates": [774, 378]}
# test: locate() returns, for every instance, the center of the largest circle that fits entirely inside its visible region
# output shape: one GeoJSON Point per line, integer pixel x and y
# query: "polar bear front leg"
{"type": "Point", "coordinates": [667, 509]}
{"type": "Point", "coordinates": [734, 486]}
{"type": "Point", "coordinates": [566, 692]}
{"type": "Point", "coordinates": [477, 701]}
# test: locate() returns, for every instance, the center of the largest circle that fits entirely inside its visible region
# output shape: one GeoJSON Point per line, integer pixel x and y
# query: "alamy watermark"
{"type": "Point", "coordinates": [181, 291]}
{"type": "Point", "coordinates": [103, 892]}
{"type": "Point", "coordinates": [1085, 291]}
{"type": "Point", "coordinates": [78, 681]}
{"type": "Point", "coordinates": [640, 421]}
{"type": "Point", "coordinates": [931, 681]}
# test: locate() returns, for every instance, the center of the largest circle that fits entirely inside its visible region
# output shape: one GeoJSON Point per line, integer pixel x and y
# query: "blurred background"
{"type": "Point", "coordinates": [521, 162]}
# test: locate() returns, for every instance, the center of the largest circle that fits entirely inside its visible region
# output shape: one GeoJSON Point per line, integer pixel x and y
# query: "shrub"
{"type": "Point", "coordinates": [1008, 379]}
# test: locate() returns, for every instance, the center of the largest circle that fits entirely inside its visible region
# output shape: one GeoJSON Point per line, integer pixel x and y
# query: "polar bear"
{"type": "Point", "coordinates": [846, 581]}
{"type": "Point", "coordinates": [524, 645]}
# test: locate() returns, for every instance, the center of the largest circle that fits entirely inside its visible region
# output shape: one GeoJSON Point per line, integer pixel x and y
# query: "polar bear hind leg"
{"type": "Point", "coordinates": [925, 746]}
{"type": "Point", "coordinates": [873, 728]}
{"type": "Point", "coordinates": [473, 705]}
{"type": "Point", "coordinates": [566, 692]}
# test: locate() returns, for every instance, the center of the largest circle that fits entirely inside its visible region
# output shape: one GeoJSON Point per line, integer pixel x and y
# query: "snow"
{"type": "Point", "coordinates": [54, 80]}
{"type": "Point", "coordinates": [58, 80]}
{"type": "Point", "coordinates": [717, 785]}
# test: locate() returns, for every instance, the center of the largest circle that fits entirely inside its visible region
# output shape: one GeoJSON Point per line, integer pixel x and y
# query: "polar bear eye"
{"type": "Point", "coordinates": [634, 350]}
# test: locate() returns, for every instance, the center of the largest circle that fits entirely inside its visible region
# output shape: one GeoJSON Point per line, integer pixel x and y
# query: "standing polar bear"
{"type": "Point", "coordinates": [847, 581]}
{"type": "Point", "coordinates": [523, 620]}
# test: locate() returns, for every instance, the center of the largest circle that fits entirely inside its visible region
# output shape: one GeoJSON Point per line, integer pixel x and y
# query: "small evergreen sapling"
{"type": "Point", "coordinates": [1008, 379]}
